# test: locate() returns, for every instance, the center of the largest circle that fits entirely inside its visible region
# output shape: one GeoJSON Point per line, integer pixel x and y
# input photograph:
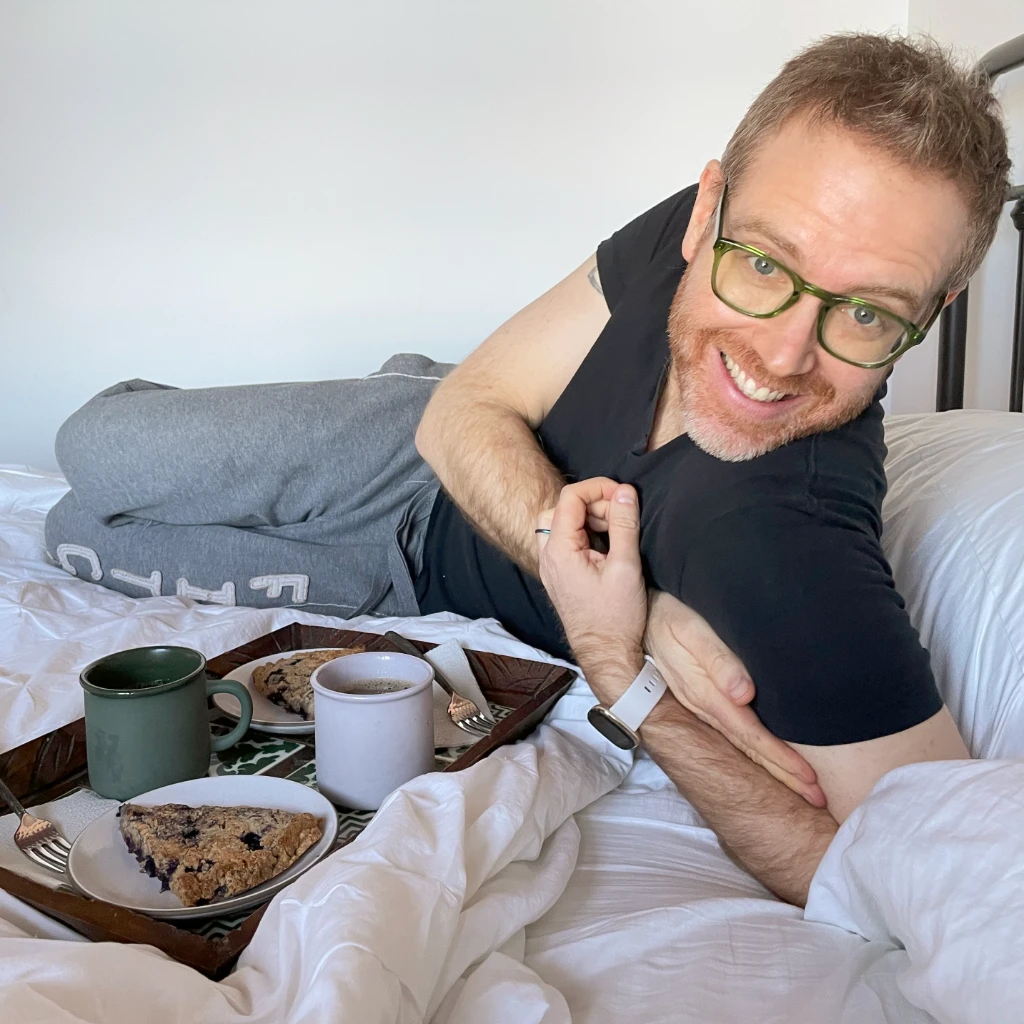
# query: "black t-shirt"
{"type": "Point", "coordinates": [781, 554]}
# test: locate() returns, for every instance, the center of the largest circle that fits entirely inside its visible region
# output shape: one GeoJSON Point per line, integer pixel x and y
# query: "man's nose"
{"type": "Point", "coordinates": [789, 346]}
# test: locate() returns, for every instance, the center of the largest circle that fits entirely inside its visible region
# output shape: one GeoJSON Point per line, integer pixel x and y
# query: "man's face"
{"type": "Point", "coordinates": [844, 217]}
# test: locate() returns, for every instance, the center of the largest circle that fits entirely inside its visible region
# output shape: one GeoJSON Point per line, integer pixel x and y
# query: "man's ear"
{"type": "Point", "coordinates": [709, 189]}
{"type": "Point", "coordinates": [950, 296]}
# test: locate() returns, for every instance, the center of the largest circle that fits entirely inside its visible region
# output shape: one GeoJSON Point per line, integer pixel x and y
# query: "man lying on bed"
{"type": "Point", "coordinates": [752, 432]}
{"type": "Point", "coordinates": [751, 428]}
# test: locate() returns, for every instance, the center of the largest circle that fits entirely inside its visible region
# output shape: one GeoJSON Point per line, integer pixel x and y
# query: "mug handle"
{"type": "Point", "coordinates": [244, 720]}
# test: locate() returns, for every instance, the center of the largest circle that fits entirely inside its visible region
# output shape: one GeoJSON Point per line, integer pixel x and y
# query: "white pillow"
{"type": "Point", "coordinates": [954, 534]}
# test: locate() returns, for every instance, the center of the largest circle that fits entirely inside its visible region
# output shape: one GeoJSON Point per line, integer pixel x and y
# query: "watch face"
{"type": "Point", "coordinates": [610, 729]}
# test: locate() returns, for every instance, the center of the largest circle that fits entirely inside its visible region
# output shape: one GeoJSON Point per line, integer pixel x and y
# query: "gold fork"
{"type": "Point", "coordinates": [37, 838]}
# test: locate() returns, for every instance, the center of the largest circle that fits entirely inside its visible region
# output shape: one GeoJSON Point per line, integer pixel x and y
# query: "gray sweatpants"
{"type": "Point", "coordinates": [308, 495]}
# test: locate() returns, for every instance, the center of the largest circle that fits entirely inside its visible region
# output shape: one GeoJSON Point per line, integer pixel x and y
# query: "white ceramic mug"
{"type": "Point", "coordinates": [369, 744]}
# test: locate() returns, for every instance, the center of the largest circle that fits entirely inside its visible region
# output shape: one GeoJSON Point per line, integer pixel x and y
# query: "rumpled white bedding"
{"type": "Point", "coordinates": [532, 887]}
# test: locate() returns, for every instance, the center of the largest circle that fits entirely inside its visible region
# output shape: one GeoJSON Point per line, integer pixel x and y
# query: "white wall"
{"type": "Point", "coordinates": [975, 28]}
{"type": "Point", "coordinates": [212, 193]}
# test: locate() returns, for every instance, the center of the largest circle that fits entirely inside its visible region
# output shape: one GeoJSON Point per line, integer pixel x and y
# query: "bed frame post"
{"type": "Point", "coordinates": [949, 393]}
{"type": "Point", "coordinates": [1017, 364]}
{"type": "Point", "coordinates": [952, 355]}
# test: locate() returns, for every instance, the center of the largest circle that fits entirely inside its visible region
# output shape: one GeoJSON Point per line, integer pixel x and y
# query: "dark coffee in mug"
{"type": "Point", "coordinates": [357, 686]}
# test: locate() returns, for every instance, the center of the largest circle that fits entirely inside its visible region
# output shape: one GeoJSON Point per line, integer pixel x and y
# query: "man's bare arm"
{"type": "Point", "coordinates": [497, 475]}
{"type": "Point", "coordinates": [771, 831]}
{"type": "Point", "coordinates": [602, 602]}
{"type": "Point", "coordinates": [775, 834]}
{"type": "Point", "coordinates": [477, 432]}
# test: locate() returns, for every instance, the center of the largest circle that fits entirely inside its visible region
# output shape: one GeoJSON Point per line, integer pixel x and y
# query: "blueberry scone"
{"type": "Point", "coordinates": [204, 854]}
{"type": "Point", "coordinates": [286, 682]}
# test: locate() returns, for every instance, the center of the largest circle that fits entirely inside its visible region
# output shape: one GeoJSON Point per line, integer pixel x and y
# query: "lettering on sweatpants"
{"type": "Point", "coordinates": [274, 585]}
{"type": "Point", "coordinates": [226, 594]}
{"type": "Point", "coordinates": [153, 582]}
{"type": "Point", "coordinates": [66, 551]}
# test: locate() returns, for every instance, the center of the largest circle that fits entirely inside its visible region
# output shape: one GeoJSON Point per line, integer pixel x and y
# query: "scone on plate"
{"type": "Point", "coordinates": [204, 854]}
{"type": "Point", "coordinates": [286, 682]}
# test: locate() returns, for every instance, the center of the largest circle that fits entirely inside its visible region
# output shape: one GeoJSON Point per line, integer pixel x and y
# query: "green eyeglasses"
{"type": "Point", "coordinates": [851, 329]}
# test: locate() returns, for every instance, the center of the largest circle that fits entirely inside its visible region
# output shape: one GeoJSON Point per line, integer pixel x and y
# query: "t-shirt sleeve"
{"type": "Point", "coordinates": [811, 609]}
{"type": "Point", "coordinates": [624, 256]}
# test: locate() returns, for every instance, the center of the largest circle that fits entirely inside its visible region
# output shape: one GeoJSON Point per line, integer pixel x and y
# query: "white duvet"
{"type": "Point", "coordinates": [535, 887]}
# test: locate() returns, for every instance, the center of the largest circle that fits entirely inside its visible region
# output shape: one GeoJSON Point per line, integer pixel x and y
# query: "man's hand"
{"type": "Point", "coordinates": [711, 682]}
{"type": "Point", "coordinates": [600, 598]}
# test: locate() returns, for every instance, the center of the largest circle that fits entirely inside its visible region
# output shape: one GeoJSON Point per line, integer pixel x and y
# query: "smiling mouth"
{"type": "Point", "coordinates": [750, 387]}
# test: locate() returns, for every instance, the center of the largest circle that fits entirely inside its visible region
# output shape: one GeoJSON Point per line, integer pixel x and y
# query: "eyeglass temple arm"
{"type": "Point", "coordinates": [720, 212]}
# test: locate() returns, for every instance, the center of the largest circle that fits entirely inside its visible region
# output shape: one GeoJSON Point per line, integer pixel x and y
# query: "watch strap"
{"type": "Point", "coordinates": [639, 699]}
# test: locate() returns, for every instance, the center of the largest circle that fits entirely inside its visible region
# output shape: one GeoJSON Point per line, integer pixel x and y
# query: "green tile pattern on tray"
{"type": "Point", "coordinates": [306, 774]}
{"type": "Point", "coordinates": [255, 754]}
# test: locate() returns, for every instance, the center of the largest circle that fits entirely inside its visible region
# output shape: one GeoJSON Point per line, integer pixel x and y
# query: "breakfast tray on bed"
{"type": "Point", "coordinates": [520, 693]}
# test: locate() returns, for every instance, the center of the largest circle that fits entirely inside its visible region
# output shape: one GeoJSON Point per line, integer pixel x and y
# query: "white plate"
{"type": "Point", "coordinates": [101, 866]}
{"type": "Point", "coordinates": [266, 715]}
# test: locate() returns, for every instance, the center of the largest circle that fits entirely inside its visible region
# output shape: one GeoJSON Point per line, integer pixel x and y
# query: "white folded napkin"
{"type": "Point", "coordinates": [71, 814]}
{"type": "Point", "coordinates": [450, 659]}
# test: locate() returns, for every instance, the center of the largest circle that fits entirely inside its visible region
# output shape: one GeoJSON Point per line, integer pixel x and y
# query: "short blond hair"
{"type": "Point", "coordinates": [910, 98]}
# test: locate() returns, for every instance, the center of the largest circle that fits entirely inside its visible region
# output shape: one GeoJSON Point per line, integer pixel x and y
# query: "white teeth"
{"type": "Point", "coordinates": [748, 385]}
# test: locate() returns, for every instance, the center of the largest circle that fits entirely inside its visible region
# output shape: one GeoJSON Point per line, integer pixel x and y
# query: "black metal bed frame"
{"type": "Point", "coordinates": [953, 324]}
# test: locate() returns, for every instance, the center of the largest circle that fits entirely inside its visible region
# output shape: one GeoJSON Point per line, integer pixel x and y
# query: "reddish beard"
{"type": "Point", "coordinates": [720, 429]}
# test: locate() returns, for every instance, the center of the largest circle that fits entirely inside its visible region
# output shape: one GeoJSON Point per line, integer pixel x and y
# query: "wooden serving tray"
{"type": "Point", "coordinates": [53, 765]}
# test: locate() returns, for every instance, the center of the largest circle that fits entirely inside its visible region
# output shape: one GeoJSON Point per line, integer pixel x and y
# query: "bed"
{"type": "Point", "coordinates": [558, 880]}
{"type": "Point", "coordinates": [555, 881]}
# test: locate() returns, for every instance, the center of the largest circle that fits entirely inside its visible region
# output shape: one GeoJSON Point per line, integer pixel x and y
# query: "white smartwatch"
{"type": "Point", "coordinates": [620, 722]}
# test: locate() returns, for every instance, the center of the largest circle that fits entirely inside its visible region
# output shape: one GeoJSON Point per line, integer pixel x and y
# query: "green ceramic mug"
{"type": "Point", "coordinates": [146, 723]}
